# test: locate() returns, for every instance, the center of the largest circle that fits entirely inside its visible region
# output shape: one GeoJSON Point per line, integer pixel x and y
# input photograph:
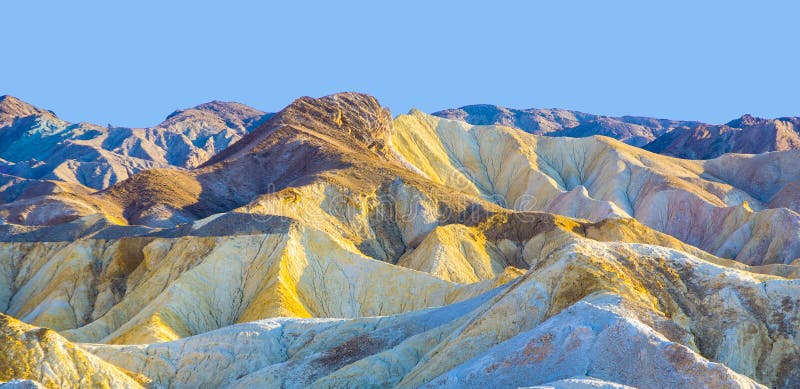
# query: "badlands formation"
{"type": "Point", "coordinates": [334, 246]}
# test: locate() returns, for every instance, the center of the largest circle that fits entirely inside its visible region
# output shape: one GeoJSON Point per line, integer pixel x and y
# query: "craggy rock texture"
{"type": "Point", "coordinates": [335, 247]}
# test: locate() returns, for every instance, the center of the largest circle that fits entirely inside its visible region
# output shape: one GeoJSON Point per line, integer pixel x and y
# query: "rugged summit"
{"type": "Point", "coordinates": [332, 246]}
{"type": "Point", "coordinates": [12, 108]}
{"type": "Point", "coordinates": [353, 120]}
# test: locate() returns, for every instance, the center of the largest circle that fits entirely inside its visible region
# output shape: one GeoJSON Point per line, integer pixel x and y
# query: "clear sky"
{"type": "Point", "coordinates": [132, 63]}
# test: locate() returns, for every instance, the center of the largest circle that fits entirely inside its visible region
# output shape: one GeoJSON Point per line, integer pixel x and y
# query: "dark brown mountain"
{"type": "Point", "coordinates": [746, 135]}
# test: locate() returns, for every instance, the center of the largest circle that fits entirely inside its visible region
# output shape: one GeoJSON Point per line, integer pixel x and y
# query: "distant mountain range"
{"type": "Point", "coordinates": [683, 139]}
{"type": "Point", "coordinates": [97, 156]}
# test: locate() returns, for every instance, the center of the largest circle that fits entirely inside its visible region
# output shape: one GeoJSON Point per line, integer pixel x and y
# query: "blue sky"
{"type": "Point", "coordinates": [132, 63]}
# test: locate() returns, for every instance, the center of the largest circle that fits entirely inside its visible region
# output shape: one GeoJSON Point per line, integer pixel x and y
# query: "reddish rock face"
{"type": "Point", "coordinates": [348, 121]}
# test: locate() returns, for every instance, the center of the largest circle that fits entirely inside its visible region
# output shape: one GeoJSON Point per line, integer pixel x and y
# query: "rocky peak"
{"type": "Point", "coordinates": [360, 116]}
{"type": "Point", "coordinates": [14, 107]}
{"type": "Point", "coordinates": [348, 119]}
{"type": "Point", "coordinates": [746, 120]}
{"type": "Point", "coordinates": [228, 111]}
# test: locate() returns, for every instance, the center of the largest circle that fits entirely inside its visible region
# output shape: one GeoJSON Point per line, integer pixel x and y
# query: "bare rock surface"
{"type": "Point", "coordinates": [333, 246]}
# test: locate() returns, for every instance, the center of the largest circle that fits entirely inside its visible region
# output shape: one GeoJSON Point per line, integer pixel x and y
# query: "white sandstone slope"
{"type": "Point", "coordinates": [577, 203]}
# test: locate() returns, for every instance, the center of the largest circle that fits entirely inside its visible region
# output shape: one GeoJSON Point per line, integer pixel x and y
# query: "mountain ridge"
{"type": "Point", "coordinates": [684, 139]}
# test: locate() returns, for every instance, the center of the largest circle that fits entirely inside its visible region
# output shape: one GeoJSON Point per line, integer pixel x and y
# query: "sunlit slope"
{"type": "Point", "coordinates": [192, 285]}
{"type": "Point", "coordinates": [583, 309]}
{"type": "Point", "coordinates": [701, 203]}
{"type": "Point", "coordinates": [45, 357]}
{"type": "Point", "coordinates": [332, 259]}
